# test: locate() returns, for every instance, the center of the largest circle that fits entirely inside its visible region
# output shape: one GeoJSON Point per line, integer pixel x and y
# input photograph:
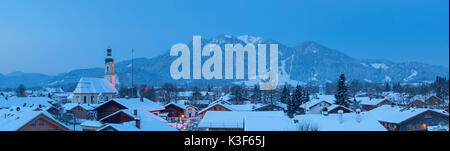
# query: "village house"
{"type": "Point", "coordinates": [191, 111]}
{"type": "Point", "coordinates": [434, 102]}
{"type": "Point", "coordinates": [316, 105]}
{"type": "Point", "coordinates": [152, 123]}
{"type": "Point", "coordinates": [215, 107]}
{"type": "Point", "coordinates": [417, 104]}
{"type": "Point", "coordinates": [123, 108]}
{"type": "Point", "coordinates": [333, 109]}
{"type": "Point", "coordinates": [369, 103]}
{"type": "Point", "coordinates": [26, 101]}
{"type": "Point", "coordinates": [396, 118]}
{"type": "Point", "coordinates": [78, 110]}
{"type": "Point", "coordinates": [18, 118]}
{"type": "Point", "coordinates": [272, 107]}
{"type": "Point", "coordinates": [245, 121]}
{"type": "Point", "coordinates": [175, 112]}
{"type": "Point", "coordinates": [355, 121]}
{"type": "Point", "coordinates": [62, 98]}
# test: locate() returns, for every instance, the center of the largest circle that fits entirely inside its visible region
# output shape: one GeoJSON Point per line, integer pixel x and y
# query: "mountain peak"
{"type": "Point", "coordinates": [16, 73]}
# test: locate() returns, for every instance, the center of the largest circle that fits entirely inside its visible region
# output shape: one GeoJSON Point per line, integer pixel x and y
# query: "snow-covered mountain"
{"type": "Point", "coordinates": [308, 62]}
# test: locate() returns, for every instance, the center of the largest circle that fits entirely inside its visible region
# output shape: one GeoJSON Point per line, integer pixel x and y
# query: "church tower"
{"type": "Point", "coordinates": [109, 68]}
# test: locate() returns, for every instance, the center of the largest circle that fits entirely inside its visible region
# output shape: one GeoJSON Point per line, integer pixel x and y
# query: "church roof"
{"type": "Point", "coordinates": [94, 85]}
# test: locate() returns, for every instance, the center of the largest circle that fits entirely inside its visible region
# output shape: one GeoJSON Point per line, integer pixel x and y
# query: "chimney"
{"type": "Point", "coordinates": [135, 112]}
{"type": "Point", "coordinates": [138, 122]}
{"type": "Point", "coordinates": [325, 111]}
{"type": "Point", "coordinates": [358, 115]}
{"type": "Point", "coordinates": [142, 99]}
{"type": "Point", "coordinates": [341, 114]}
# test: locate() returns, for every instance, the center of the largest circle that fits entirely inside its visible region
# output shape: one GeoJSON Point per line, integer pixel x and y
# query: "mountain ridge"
{"type": "Point", "coordinates": [306, 62]}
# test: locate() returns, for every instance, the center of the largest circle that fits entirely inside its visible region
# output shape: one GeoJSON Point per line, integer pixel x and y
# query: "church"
{"type": "Point", "coordinates": [97, 90]}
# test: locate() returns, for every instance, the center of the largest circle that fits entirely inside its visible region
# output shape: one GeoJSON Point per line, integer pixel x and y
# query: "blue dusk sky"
{"type": "Point", "coordinates": [54, 36]}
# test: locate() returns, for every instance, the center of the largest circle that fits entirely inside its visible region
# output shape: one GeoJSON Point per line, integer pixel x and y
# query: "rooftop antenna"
{"type": "Point", "coordinates": [132, 66]}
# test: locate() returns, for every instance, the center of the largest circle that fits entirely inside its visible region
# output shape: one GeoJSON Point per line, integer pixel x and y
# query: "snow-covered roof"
{"type": "Point", "coordinates": [135, 103]}
{"type": "Point", "coordinates": [13, 120]}
{"type": "Point", "coordinates": [29, 101]}
{"type": "Point", "coordinates": [150, 123]}
{"type": "Point", "coordinates": [334, 106]}
{"type": "Point", "coordinates": [94, 85]}
{"type": "Point", "coordinates": [126, 111]}
{"type": "Point", "coordinates": [70, 106]}
{"type": "Point", "coordinates": [224, 98]}
{"type": "Point", "coordinates": [90, 123]}
{"type": "Point", "coordinates": [53, 90]}
{"type": "Point", "coordinates": [368, 100]}
{"type": "Point", "coordinates": [252, 120]}
{"type": "Point", "coordinates": [176, 104]}
{"type": "Point", "coordinates": [246, 107]}
{"type": "Point", "coordinates": [279, 104]}
{"type": "Point", "coordinates": [185, 93]}
{"type": "Point", "coordinates": [320, 98]}
{"type": "Point", "coordinates": [63, 94]}
{"type": "Point", "coordinates": [438, 128]}
{"type": "Point", "coordinates": [331, 122]}
{"type": "Point", "coordinates": [221, 104]}
{"type": "Point", "coordinates": [396, 114]}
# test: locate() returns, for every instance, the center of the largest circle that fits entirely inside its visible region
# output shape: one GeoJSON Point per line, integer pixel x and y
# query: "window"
{"type": "Point", "coordinates": [423, 126]}
{"type": "Point", "coordinates": [78, 98]}
{"type": "Point", "coordinates": [107, 68]}
{"type": "Point", "coordinates": [41, 122]}
{"type": "Point", "coordinates": [92, 99]}
{"type": "Point", "coordinates": [84, 99]}
{"type": "Point", "coordinates": [33, 123]}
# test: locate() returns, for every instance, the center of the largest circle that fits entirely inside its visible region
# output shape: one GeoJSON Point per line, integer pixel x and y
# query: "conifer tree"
{"type": "Point", "coordinates": [342, 96]}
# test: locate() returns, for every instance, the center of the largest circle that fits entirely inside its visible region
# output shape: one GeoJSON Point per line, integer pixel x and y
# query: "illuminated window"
{"type": "Point", "coordinates": [424, 126]}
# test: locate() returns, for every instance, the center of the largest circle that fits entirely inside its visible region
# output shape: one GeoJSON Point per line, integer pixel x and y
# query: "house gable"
{"type": "Point", "coordinates": [108, 108]}
{"type": "Point", "coordinates": [48, 124]}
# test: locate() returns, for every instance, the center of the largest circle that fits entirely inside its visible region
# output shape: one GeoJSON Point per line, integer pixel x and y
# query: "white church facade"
{"type": "Point", "coordinates": [97, 90]}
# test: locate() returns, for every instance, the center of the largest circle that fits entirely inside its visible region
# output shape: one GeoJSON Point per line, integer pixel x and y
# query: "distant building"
{"type": "Point", "coordinates": [78, 110]}
{"type": "Point", "coordinates": [368, 103]}
{"type": "Point", "coordinates": [127, 108]}
{"type": "Point", "coordinates": [434, 102]}
{"type": "Point", "coordinates": [272, 107]}
{"type": "Point", "coordinates": [215, 107]}
{"type": "Point", "coordinates": [174, 110]}
{"type": "Point", "coordinates": [333, 109]}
